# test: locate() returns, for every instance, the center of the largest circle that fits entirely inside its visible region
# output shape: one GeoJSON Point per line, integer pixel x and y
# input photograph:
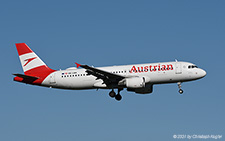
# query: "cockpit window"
{"type": "Point", "coordinates": [192, 66]}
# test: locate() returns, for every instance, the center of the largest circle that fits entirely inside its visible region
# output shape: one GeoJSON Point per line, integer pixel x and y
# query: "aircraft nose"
{"type": "Point", "coordinates": [202, 73]}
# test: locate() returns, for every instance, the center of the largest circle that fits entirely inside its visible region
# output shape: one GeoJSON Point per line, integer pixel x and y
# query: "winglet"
{"type": "Point", "coordinates": [78, 65]}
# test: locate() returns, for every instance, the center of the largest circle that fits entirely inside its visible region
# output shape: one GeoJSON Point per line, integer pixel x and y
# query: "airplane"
{"type": "Point", "coordinates": [138, 78]}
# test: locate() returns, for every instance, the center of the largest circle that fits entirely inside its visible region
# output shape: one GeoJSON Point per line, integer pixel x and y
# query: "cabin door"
{"type": "Point", "coordinates": [178, 68]}
{"type": "Point", "coordinates": [52, 78]}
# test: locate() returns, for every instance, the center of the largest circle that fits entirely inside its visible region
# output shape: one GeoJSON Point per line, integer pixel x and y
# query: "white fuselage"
{"type": "Point", "coordinates": [154, 73]}
{"type": "Point", "coordinates": [138, 78]}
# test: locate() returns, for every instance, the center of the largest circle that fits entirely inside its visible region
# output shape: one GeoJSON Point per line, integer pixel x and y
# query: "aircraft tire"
{"type": "Point", "coordinates": [118, 97]}
{"type": "Point", "coordinates": [181, 91]}
{"type": "Point", "coordinates": [112, 94]}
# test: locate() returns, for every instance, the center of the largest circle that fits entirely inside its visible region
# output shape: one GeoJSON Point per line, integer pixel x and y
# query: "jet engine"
{"type": "Point", "coordinates": [135, 82]}
{"type": "Point", "coordinates": [145, 90]}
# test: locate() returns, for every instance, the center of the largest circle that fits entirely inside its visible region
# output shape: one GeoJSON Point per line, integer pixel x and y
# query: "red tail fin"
{"type": "Point", "coordinates": [32, 65]}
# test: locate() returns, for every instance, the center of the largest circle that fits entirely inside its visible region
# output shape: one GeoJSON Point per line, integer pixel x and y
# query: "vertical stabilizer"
{"type": "Point", "coordinates": [32, 65]}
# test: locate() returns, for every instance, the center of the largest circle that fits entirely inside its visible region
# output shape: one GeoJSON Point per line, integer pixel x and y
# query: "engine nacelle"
{"type": "Point", "coordinates": [146, 90]}
{"type": "Point", "coordinates": [135, 82]}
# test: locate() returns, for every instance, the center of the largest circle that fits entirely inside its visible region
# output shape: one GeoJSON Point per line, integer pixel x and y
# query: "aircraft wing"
{"type": "Point", "coordinates": [107, 77]}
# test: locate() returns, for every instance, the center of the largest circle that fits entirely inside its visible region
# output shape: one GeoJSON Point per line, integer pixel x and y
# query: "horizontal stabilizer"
{"type": "Point", "coordinates": [26, 76]}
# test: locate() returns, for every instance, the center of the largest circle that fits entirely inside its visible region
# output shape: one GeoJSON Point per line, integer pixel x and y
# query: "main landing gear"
{"type": "Point", "coordinates": [112, 94]}
{"type": "Point", "coordinates": [179, 86]}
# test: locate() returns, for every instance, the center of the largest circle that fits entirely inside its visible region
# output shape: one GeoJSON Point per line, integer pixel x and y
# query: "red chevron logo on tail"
{"type": "Point", "coordinates": [29, 60]}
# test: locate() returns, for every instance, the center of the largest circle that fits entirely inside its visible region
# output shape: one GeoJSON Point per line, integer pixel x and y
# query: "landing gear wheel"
{"type": "Point", "coordinates": [112, 94]}
{"type": "Point", "coordinates": [118, 97]}
{"type": "Point", "coordinates": [181, 91]}
{"type": "Point", "coordinates": [179, 86]}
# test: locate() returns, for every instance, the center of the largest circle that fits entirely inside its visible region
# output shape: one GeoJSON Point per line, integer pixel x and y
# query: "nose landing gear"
{"type": "Point", "coordinates": [181, 91]}
{"type": "Point", "coordinates": [179, 86]}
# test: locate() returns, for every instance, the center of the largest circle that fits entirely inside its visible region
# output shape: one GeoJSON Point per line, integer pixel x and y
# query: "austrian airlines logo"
{"type": "Point", "coordinates": [159, 67]}
{"type": "Point", "coordinates": [29, 60]}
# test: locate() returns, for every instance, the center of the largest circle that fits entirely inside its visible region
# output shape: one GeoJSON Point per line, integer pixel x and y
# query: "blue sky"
{"type": "Point", "coordinates": [103, 33]}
